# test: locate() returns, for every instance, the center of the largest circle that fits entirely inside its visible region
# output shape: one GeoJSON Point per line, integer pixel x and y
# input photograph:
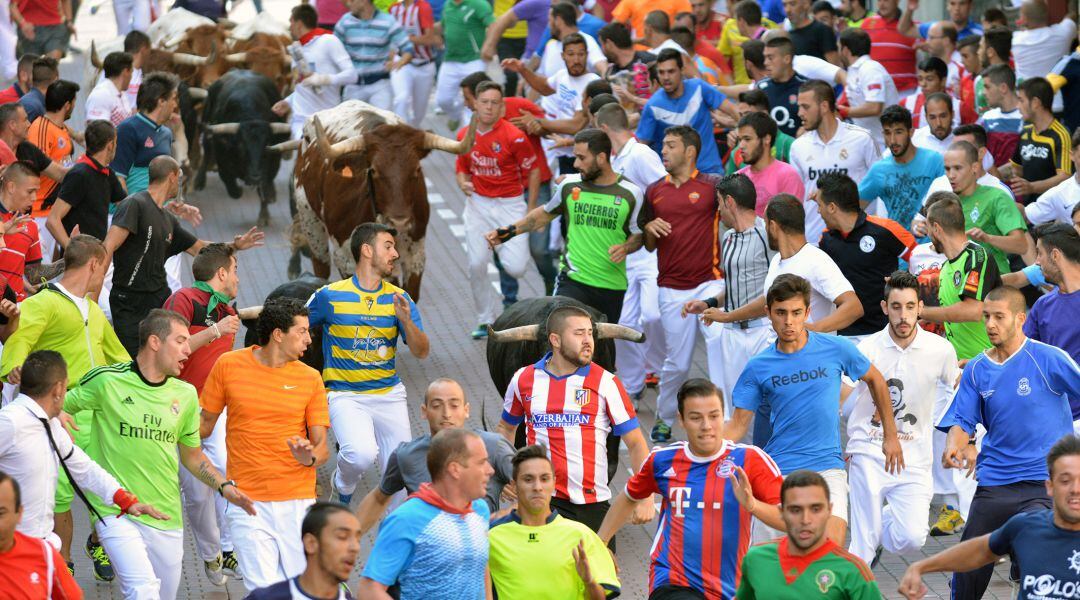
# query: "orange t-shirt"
{"type": "Point", "coordinates": [266, 407]}
{"type": "Point", "coordinates": [635, 11]}
{"type": "Point", "coordinates": [55, 142]}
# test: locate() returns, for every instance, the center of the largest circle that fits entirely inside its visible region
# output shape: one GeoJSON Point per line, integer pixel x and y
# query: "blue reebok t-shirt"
{"type": "Point", "coordinates": [1024, 404]}
{"type": "Point", "coordinates": [803, 392]}
{"type": "Point", "coordinates": [692, 108]}
{"type": "Point", "coordinates": [1048, 556]}
{"type": "Point", "coordinates": [902, 186]}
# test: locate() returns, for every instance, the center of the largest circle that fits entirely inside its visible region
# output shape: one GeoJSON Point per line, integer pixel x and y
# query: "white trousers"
{"type": "Point", "coordinates": [147, 561]}
{"type": "Point", "coordinates": [9, 63]}
{"type": "Point", "coordinates": [954, 484]}
{"type": "Point", "coordinates": [131, 14]}
{"type": "Point", "coordinates": [412, 91]}
{"type": "Point", "coordinates": [204, 508]}
{"type": "Point", "coordinates": [268, 544]}
{"type": "Point", "coordinates": [901, 526]}
{"type": "Point", "coordinates": [448, 87]}
{"type": "Point", "coordinates": [737, 346]}
{"type": "Point", "coordinates": [680, 336]}
{"type": "Point", "coordinates": [366, 424]}
{"type": "Point", "coordinates": [641, 311]}
{"type": "Point", "coordinates": [378, 94]}
{"type": "Point", "coordinates": [482, 214]}
{"type": "Point", "coordinates": [47, 241]}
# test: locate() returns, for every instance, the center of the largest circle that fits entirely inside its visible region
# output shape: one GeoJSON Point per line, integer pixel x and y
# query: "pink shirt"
{"type": "Point", "coordinates": [330, 11]}
{"type": "Point", "coordinates": [778, 178]}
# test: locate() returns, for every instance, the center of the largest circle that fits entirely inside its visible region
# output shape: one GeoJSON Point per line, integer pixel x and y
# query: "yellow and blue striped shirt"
{"type": "Point", "coordinates": [360, 332]}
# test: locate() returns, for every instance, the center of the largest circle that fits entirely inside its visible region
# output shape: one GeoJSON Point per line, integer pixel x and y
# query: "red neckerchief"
{"type": "Point", "coordinates": [307, 37]}
{"type": "Point", "coordinates": [428, 494]}
{"type": "Point", "coordinates": [86, 160]}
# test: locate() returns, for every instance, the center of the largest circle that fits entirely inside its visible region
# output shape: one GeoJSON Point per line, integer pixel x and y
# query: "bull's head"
{"type": "Point", "coordinates": [271, 61]}
{"type": "Point", "coordinates": [252, 146]}
{"type": "Point", "coordinates": [388, 159]}
{"type": "Point", "coordinates": [531, 333]}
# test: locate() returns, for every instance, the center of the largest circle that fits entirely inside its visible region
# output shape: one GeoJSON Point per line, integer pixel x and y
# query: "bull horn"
{"type": "Point", "coordinates": [280, 128]}
{"type": "Point", "coordinates": [524, 333]}
{"type": "Point", "coordinates": [434, 141]}
{"type": "Point", "coordinates": [226, 23]}
{"type": "Point", "coordinates": [238, 57]}
{"type": "Point", "coordinates": [618, 332]}
{"type": "Point", "coordinates": [94, 58]}
{"type": "Point", "coordinates": [223, 128]}
{"type": "Point", "coordinates": [193, 60]}
{"type": "Point", "coordinates": [332, 153]}
{"type": "Point", "coordinates": [250, 312]}
{"type": "Point", "coordinates": [283, 147]}
{"type": "Point", "coordinates": [197, 93]}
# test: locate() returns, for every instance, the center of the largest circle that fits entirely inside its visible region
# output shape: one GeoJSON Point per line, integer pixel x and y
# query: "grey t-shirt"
{"type": "Point", "coordinates": [407, 466]}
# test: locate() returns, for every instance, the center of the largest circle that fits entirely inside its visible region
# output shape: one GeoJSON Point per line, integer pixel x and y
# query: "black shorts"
{"type": "Point", "coordinates": [608, 302]}
{"type": "Point", "coordinates": [129, 309]}
{"type": "Point", "coordinates": [674, 592]}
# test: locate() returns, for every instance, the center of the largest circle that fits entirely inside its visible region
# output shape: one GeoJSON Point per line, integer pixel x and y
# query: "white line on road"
{"type": "Point", "coordinates": [446, 214]}
{"type": "Point", "coordinates": [457, 230]}
{"type": "Point", "coordinates": [435, 198]}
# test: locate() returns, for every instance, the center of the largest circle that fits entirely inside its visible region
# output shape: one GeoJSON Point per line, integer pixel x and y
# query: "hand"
{"type": "Point", "coordinates": [466, 187]}
{"type": "Point", "coordinates": [961, 458]}
{"type": "Point", "coordinates": [912, 586]}
{"type": "Point", "coordinates": [17, 223]}
{"type": "Point", "coordinates": [281, 107]}
{"type": "Point", "coordinates": [321, 79]}
{"type": "Point", "coordinates": [912, 5]}
{"type": "Point", "coordinates": [402, 308]}
{"type": "Point", "coordinates": [643, 512]}
{"type": "Point", "coordinates": [894, 455]}
{"type": "Point", "coordinates": [581, 563]}
{"type": "Point", "coordinates": [658, 228]}
{"type": "Point", "coordinates": [229, 325]}
{"type": "Point", "coordinates": [142, 508]}
{"type": "Point", "coordinates": [527, 122]}
{"type": "Point", "coordinates": [509, 493]}
{"type": "Point", "coordinates": [732, 138]}
{"type": "Point", "coordinates": [66, 420]}
{"type": "Point", "coordinates": [71, 27]}
{"type": "Point", "coordinates": [302, 450]}
{"type": "Point", "coordinates": [694, 307]}
{"type": "Point", "coordinates": [1021, 186]}
{"type": "Point", "coordinates": [514, 65]}
{"type": "Point", "coordinates": [714, 315]}
{"type": "Point", "coordinates": [235, 496]}
{"type": "Point", "coordinates": [252, 238]}
{"type": "Point", "coordinates": [487, 53]}
{"type": "Point", "coordinates": [977, 234]}
{"type": "Point", "coordinates": [27, 29]}
{"type": "Point", "coordinates": [14, 377]}
{"type": "Point", "coordinates": [9, 309]}
{"type": "Point", "coordinates": [743, 490]}
{"type": "Point", "coordinates": [919, 227]}
{"type": "Point", "coordinates": [493, 238]}
{"type": "Point", "coordinates": [617, 253]}
{"type": "Point", "coordinates": [187, 212]}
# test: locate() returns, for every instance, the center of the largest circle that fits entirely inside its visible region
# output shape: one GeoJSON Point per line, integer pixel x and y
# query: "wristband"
{"type": "Point", "coordinates": [124, 500]}
{"type": "Point", "coordinates": [221, 488]}
{"type": "Point", "coordinates": [217, 332]}
{"type": "Point", "coordinates": [313, 461]}
{"type": "Point", "coordinates": [505, 233]}
{"type": "Point", "coordinates": [712, 302]}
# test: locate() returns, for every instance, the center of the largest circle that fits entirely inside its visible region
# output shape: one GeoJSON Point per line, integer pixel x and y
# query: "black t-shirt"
{"type": "Point", "coordinates": [89, 188]}
{"type": "Point", "coordinates": [30, 153]}
{"type": "Point", "coordinates": [816, 39]}
{"type": "Point", "coordinates": [1041, 154]}
{"type": "Point", "coordinates": [784, 102]}
{"type": "Point", "coordinates": [154, 235]}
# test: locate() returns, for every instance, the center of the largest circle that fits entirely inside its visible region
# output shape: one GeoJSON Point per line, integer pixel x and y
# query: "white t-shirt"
{"type": "Point", "coordinates": [1035, 51]}
{"type": "Point", "coordinates": [131, 94]}
{"type": "Point", "coordinates": [81, 303]}
{"type": "Point", "coordinates": [106, 103]}
{"type": "Point", "coordinates": [851, 151]}
{"type": "Point", "coordinates": [923, 138]}
{"type": "Point", "coordinates": [812, 67]}
{"type": "Point", "coordinates": [326, 55]}
{"type": "Point", "coordinates": [551, 61]}
{"type": "Point", "coordinates": [569, 91]}
{"type": "Point", "coordinates": [923, 257]}
{"type": "Point", "coordinates": [639, 164]}
{"type": "Point", "coordinates": [868, 81]}
{"type": "Point", "coordinates": [811, 263]}
{"type": "Point", "coordinates": [1056, 204]}
{"type": "Point", "coordinates": [920, 379]}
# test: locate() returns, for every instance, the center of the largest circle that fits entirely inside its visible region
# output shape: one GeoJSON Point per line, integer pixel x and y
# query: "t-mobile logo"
{"type": "Point", "coordinates": [679, 497]}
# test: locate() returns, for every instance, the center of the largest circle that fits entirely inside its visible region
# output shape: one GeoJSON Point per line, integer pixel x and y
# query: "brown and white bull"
{"type": "Point", "coordinates": [358, 164]}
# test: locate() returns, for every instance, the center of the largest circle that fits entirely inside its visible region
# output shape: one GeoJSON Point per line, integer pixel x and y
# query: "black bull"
{"type": "Point", "coordinates": [243, 98]}
{"type": "Point", "coordinates": [301, 289]}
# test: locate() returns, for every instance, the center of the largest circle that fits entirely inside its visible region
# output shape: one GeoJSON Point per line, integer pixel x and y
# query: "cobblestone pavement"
{"type": "Point", "coordinates": [446, 305]}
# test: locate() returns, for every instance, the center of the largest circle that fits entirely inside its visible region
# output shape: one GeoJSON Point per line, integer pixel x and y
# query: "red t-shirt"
{"type": "Point", "coordinates": [690, 254]}
{"type": "Point", "coordinates": [40, 12]}
{"type": "Point", "coordinates": [11, 94]}
{"type": "Point", "coordinates": [895, 51]}
{"type": "Point", "coordinates": [710, 33]}
{"type": "Point", "coordinates": [191, 303]}
{"type": "Point", "coordinates": [515, 105]}
{"type": "Point", "coordinates": [6, 155]}
{"type": "Point", "coordinates": [25, 575]}
{"type": "Point", "coordinates": [499, 162]}
{"type": "Point", "coordinates": [22, 248]}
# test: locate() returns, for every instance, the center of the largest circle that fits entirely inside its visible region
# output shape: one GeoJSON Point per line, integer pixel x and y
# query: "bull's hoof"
{"type": "Point", "coordinates": [293, 271]}
{"type": "Point", "coordinates": [233, 190]}
{"type": "Point", "coordinates": [263, 221]}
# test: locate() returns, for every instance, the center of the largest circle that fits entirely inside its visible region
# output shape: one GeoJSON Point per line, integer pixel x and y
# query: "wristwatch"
{"type": "Point", "coordinates": [221, 488]}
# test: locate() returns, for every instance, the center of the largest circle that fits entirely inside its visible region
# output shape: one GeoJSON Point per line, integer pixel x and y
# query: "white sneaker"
{"type": "Point", "coordinates": [214, 571]}
{"type": "Point", "coordinates": [230, 566]}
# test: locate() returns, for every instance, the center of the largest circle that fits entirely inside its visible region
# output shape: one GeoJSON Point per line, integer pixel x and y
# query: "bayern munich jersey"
{"type": "Point", "coordinates": [572, 416]}
{"type": "Point", "coordinates": [703, 531]}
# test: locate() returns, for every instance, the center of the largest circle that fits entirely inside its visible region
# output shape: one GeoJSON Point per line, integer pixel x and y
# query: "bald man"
{"type": "Point", "coordinates": [444, 407]}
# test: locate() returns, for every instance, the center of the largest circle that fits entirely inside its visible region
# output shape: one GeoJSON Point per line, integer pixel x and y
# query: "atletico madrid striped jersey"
{"type": "Point", "coordinates": [572, 416]}
{"type": "Point", "coordinates": [703, 532]}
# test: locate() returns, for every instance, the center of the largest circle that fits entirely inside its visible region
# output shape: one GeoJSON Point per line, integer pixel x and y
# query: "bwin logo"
{"type": "Point", "coordinates": [800, 377]}
{"type": "Point", "coordinates": [816, 173]}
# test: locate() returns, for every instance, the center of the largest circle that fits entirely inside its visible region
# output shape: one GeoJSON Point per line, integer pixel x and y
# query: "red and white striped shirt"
{"type": "Point", "coordinates": [415, 17]}
{"type": "Point", "coordinates": [572, 416]}
{"type": "Point", "coordinates": [916, 103]}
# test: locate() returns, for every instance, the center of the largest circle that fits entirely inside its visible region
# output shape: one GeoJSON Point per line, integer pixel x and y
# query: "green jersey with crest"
{"type": "Point", "coordinates": [769, 572]}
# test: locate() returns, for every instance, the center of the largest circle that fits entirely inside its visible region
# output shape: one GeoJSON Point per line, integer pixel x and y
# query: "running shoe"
{"type": "Point", "coordinates": [479, 333]}
{"type": "Point", "coordinates": [214, 572]}
{"type": "Point", "coordinates": [71, 568]}
{"type": "Point", "coordinates": [103, 570]}
{"type": "Point", "coordinates": [948, 522]}
{"type": "Point", "coordinates": [877, 556]}
{"type": "Point", "coordinates": [230, 565]}
{"type": "Point", "coordinates": [661, 432]}
{"type": "Point", "coordinates": [652, 380]}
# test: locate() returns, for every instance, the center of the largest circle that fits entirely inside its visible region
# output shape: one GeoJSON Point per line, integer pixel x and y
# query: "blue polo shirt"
{"type": "Point", "coordinates": [138, 141]}
{"type": "Point", "coordinates": [692, 108]}
{"type": "Point", "coordinates": [34, 103]}
{"type": "Point", "coordinates": [1047, 554]}
{"type": "Point", "coordinates": [972, 28]}
{"type": "Point", "coordinates": [1024, 404]}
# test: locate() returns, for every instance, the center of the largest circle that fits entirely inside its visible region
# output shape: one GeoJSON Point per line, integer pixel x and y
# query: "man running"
{"type": "Point", "coordinates": [146, 424]}
{"type": "Point", "coordinates": [275, 435]}
{"type": "Point", "coordinates": [361, 318]}
{"type": "Point", "coordinates": [698, 478]}
{"type": "Point", "coordinates": [806, 563]}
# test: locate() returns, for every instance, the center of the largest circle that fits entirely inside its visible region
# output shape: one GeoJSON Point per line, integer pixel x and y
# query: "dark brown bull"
{"type": "Point", "coordinates": [266, 59]}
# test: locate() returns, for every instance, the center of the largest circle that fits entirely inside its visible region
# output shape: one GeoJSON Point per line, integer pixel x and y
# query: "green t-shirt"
{"type": "Point", "coordinates": [137, 426]}
{"type": "Point", "coordinates": [596, 218]}
{"type": "Point", "coordinates": [464, 27]}
{"type": "Point", "coordinates": [770, 573]}
{"type": "Point", "coordinates": [970, 275]}
{"type": "Point", "coordinates": [781, 150]}
{"type": "Point", "coordinates": [992, 210]}
{"type": "Point", "coordinates": [537, 563]}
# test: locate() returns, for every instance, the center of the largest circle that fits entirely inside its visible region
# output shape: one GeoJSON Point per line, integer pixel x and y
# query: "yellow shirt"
{"type": "Point", "coordinates": [730, 45]}
{"type": "Point", "coordinates": [519, 30]}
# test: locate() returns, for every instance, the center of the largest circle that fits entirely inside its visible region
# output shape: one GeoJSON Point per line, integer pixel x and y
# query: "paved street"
{"type": "Point", "coordinates": [447, 309]}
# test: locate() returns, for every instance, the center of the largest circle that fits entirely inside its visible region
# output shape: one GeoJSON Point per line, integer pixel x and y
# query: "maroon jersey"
{"type": "Point", "coordinates": [690, 254]}
{"type": "Point", "coordinates": [192, 303]}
